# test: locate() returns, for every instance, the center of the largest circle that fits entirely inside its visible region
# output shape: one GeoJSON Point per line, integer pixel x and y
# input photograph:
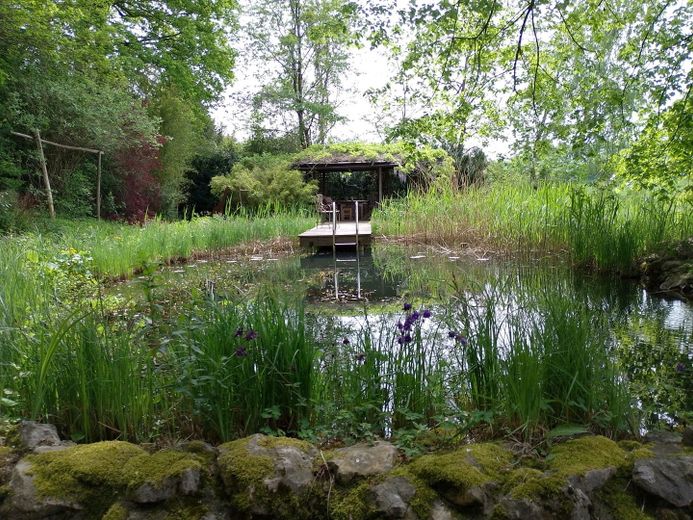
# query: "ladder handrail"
{"type": "Point", "coordinates": [334, 225]}
{"type": "Point", "coordinates": [356, 213]}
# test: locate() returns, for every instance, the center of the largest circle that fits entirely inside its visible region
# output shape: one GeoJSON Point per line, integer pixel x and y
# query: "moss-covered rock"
{"type": "Point", "coordinates": [269, 475]}
{"type": "Point", "coordinates": [8, 457]}
{"type": "Point", "coordinates": [471, 465]}
{"type": "Point", "coordinates": [352, 504]}
{"type": "Point", "coordinates": [88, 474]}
{"type": "Point", "coordinates": [574, 459]}
{"type": "Point", "coordinates": [176, 509]}
{"type": "Point", "coordinates": [116, 512]}
{"type": "Point", "coordinates": [467, 475]}
{"type": "Point", "coordinates": [613, 501]}
{"type": "Point", "coordinates": [163, 475]}
{"type": "Point", "coordinates": [92, 477]}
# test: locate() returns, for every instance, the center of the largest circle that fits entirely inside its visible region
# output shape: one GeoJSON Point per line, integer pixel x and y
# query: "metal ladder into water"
{"type": "Point", "coordinates": [355, 244]}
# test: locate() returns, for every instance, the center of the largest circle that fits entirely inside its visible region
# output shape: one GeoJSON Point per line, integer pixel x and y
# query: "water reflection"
{"type": "Point", "coordinates": [359, 296]}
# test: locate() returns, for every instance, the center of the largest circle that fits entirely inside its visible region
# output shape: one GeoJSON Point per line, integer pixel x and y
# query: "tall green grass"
{"type": "Point", "coordinates": [523, 358]}
{"type": "Point", "coordinates": [242, 368]}
{"type": "Point", "coordinates": [599, 228]}
{"type": "Point", "coordinates": [519, 362]}
{"type": "Point", "coordinates": [538, 360]}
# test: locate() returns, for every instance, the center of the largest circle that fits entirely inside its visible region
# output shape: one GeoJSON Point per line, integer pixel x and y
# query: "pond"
{"type": "Point", "coordinates": [481, 336]}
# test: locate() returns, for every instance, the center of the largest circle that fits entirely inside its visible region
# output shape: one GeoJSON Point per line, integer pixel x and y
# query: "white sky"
{"type": "Point", "coordinates": [369, 69]}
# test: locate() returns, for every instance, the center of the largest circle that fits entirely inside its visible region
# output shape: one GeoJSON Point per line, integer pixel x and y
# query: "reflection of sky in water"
{"type": "Point", "coordinates": [384, 279]}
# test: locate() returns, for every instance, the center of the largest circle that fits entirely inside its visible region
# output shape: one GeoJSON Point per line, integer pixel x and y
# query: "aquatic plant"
{"type": "Point", "coordinates": [598, 228]}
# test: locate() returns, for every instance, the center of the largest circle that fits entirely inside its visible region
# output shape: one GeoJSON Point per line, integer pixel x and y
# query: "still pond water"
{"type": "Point", "coordinates": [652, 334]}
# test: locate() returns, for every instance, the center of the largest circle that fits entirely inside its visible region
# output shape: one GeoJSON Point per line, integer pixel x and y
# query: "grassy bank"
{"type": "Point", "coordinates": [120, 249]}
{"type": "Point", "coordinates": [597, 228]}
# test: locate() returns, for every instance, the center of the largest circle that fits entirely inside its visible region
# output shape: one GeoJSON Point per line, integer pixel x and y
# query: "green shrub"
{"type": "Point", "coordinates": [11, 218]}
{"type": "Point", "coordinates": [75, 198]}
{"type": "Point", "coordinates": [264, 180]}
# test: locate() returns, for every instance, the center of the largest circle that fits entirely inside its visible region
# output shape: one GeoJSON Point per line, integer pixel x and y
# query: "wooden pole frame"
{"type": "Point", "coordinates": [46, 180]}
{"type": "Point", "coordinates": [44, 170]}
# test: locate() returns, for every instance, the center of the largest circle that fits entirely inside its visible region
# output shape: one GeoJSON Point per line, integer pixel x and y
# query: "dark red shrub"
{"type": "Point", "coordinates": [141, 193]}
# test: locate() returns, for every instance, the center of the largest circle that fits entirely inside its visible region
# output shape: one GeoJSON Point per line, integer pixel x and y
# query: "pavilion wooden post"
{"type": "Point", "coordinates": [380, 184]}
{"type": "Point", "coordinates": [98, 188]}
{"type": "Point", "coordinates": [44, 169]}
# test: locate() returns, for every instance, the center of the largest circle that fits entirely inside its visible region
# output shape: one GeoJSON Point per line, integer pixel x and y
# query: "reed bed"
{"type": "Point", "coordinates": [496, 359]}
{"type": "Point", "coordinates": [598, 228]}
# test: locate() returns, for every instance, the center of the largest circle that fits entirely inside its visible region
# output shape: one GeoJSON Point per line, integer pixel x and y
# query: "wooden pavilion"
{"type": "Point", "coordinates": [349, 225]}
{"type": "Point", "coordinates": [384, 171]}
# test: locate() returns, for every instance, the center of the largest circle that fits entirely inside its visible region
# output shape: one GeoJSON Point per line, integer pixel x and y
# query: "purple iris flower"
{"type": "Point", "coordinates": [239, 332]}
{"type": "Point", "coordinates": [426, 313]}
{"type": "Point", "coordinates": [400, 340]}
{"type": "Point", "coordinates": [415, 316]}
{"type": "Point", "coordinates": [452, 334]}
{"type": "Point", "coordinates": [360, 357]}
{"type": "Point", "coordinates": [407, 338]}
{"type": "Point", "coordinates": [250, 335]}
{"type": "Point", "coordinates": [407, 306]}
{"type": "Point", "coordinates": [241, 352]}
{"type": "Point", "coordinates": [346, 341]}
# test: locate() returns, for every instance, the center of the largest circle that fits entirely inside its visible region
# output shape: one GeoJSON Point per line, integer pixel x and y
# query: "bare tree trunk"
{"type": "Point", "coordinates": [297, 73]}
{"type": "Point", "coordinates": [44, 169]}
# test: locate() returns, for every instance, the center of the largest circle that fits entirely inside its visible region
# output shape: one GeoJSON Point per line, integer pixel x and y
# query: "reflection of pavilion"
{"type": "Point", "coordinates": [349, 276]}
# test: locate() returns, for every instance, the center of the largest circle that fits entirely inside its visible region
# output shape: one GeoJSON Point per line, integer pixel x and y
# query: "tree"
{"type": "Point", "coordinates": [580, 77]}
{"type": "Point", "coordinates": [303, 44]}
{"type": "Point", "coordinates": [661, 159]}
{"type": "Point", "coordinates": [215, 159]}
{"type": "Point", "coordinates": [106, 75]}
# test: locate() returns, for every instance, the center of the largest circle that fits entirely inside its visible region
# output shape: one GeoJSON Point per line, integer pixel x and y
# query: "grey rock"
{"type": "Point", "coordinates": [33, 434]}
{"type": "Point", "coordinates": [592, 480]}
{"type": "Point", "coordinates": [663, 437]}
{"type": "Point", "coordinates": [215, 511]}
{"type": "Point", "coordinates": [440, 511]}
{"type": "Point", "coordinates": [187, 482]}
{"type": "Point", "coordinates": [58, 447]}
{"type": "Point", "coordinates": [514, 509]}
{"type": "Point", "coordinates": [362, 460]}
{"type": "Point", "coordinates": [581, 505]}
{"type": "Point", "coordinates": [687, 436]}
{"type": "Point", "coordinates": [668, 478]}
{"type": "Point", "coordinates": [475, 496]}
{"type": "Point", "coordinates": [293, 468]}
{"type": "Point", "coordinates": [392, 497]}
{"type": "Point", "coordinates": [25, 501]}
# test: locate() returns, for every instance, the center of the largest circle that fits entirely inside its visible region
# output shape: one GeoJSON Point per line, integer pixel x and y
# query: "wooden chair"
{"type": "Point", "coordinates": [347, 211]}
{"type": "Point", "coordinates": [324, 207]}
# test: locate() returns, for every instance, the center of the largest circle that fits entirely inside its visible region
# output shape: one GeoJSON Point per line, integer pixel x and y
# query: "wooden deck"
{"type": "Point", "coordinates": [345, 235]}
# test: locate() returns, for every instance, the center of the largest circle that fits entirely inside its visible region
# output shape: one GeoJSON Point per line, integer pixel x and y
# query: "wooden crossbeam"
{"type": "Point", "coordinates": [46, 180]}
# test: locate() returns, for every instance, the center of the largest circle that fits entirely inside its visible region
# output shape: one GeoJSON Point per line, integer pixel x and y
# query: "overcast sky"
{"type": "Point", "coordinates": [369, 69]}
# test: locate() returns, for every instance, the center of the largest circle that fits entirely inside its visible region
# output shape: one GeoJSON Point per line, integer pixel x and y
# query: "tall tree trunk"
{"type": "Point", "coordinates": [297, 72]}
